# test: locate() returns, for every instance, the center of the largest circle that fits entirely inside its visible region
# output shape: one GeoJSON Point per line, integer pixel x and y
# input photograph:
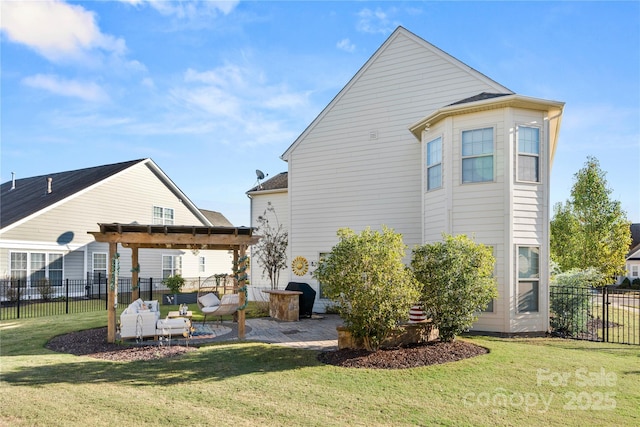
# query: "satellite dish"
{"type": "Point", "coordinates": [259, 174]}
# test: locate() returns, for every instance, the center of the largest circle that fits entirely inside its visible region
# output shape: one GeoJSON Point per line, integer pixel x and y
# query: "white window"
{"type": "Point", "coordinates": [202, 263]}
{"type": "Point", "coordinates": [37, 267]}
{"type": "Point", "coordinates": [634, 271]}
{"type": "Point", "coordinates": [18, 265]}
{"type": "Point", "coordinates": [171, 265]}
{"type": "Point", "coordinates": [528, 154]}
{"type": "Point", "coordinates": [163, 216]}
{"type": "Point", "coordinates": [434, 164]}
{"type": "Point", "coordinates": [99, 267]}
{"type": "Point", "coordinates": [528, 279]}
{"type": "Point", "coordinates": [477, 155]}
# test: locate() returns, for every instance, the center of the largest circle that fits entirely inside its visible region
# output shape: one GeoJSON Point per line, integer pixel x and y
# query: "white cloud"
{"type": "Point", "coordinates": [88, 91]}
{"type": "Point", "coordinates": [57, 30]}
{"type": "Point", "coordinates": [377, 21]}
{"type": "Point", "coordinates": [346, 45]}
{"type": "Point", "coordinates": [187, 8]}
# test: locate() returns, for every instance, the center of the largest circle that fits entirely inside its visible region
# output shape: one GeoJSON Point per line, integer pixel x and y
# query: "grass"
{"type": "Point", "coordinates": [258, 384]}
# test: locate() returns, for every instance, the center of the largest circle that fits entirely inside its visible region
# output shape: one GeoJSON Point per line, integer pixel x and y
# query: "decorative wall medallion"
{"type": "Point", "coordinates": [300, 266]}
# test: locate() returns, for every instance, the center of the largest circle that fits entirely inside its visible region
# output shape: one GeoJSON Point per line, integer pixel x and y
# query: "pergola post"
{"type": "Point", "coordinates": [113, 293]}
{"type": "Point", "coordinates": [241, 283]}
{"type": "Point", "coordinates": [135, 272]}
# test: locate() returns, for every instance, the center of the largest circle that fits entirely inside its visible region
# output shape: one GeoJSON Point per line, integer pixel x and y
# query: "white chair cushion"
{"type": "Point", "coordinates": [209, 300]}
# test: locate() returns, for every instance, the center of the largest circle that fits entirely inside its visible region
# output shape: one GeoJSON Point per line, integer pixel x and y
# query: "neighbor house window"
{"type": "Point", "coordinates": [36, 267]}
{"type": "Point", "coordinates": [99, 266]}
{"type": "Point", "coordinates": [170, 265]}
{"type": "Point", "coordinates": [434, 164]}
{"type": "Point", "coordinates": [162, 215]}
{"type": "Point", "coordinates": [634, 271]}
{"type": "Point", "coordinates": [528, 279]}
{"type": "Point", "coordinates": [18, 266]}
{"type": "Point", "coordinates": [202, 264]}
{"type": "Point", "coordinates": [528, 154]}
{"type": "Point", "coordinates": [477, 155]}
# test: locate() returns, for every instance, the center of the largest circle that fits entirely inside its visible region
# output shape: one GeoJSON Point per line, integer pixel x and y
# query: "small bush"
{"type": "Point", "coordinates": [570, 300]}
{"type": "Point", "coordinates": [636, 283]}
{"type": "Point", "coordinates": [457, 282]}
{"type": "Point", "coordinates": [45, 290]}
{"type": "Point", "coordinates": [626, 283]}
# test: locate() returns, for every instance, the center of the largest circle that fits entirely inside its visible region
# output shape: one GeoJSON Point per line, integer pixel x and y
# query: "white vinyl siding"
{"type": "Point", "coordinates": [341, 177]}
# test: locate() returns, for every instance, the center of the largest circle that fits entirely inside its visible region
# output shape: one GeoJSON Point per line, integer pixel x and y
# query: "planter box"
{"type": "Point", "coordinates": [411, 333]}
{"type": "Point", "coordinates": [181, 298]}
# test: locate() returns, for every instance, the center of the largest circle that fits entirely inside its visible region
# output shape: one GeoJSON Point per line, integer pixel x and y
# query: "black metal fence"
{"type": "Point", "coordinates": [21, 299]}
{"type": "Point", "coordinates": [605, 314]}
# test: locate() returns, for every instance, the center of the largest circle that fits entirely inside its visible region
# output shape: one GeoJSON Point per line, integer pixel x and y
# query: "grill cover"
{"type": "Point", "coordinates": [306, 299]}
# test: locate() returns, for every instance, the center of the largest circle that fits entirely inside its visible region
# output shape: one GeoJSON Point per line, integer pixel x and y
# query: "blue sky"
{"type": "Point", "coordinates": [212, 91]}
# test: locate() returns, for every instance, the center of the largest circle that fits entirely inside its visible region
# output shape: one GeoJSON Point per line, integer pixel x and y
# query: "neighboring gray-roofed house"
{"type": "Point", "coordinates": [633, 257]}
{"type": "Point", "coordinates": [44, 221]}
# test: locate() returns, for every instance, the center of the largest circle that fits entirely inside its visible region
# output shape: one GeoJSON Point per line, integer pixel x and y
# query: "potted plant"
{"type": "Point", "coordinates": [175, 284]}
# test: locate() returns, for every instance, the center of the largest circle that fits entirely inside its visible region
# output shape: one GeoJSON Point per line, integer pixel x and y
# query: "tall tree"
{"type": "Point", "coordinates": [590, 229]}
{"type": "Point", "coordinates": [271, 250]}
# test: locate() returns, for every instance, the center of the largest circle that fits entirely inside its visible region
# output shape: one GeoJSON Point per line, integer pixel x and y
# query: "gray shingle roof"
{"type": "Point", "coordinates": [216, 218]}
{"type": "Point", "coordinates": [277, 182]}
{"type": "Point", "coordinates": [480, 97]}
{"type": "Point", "coordinates": [30, 194]}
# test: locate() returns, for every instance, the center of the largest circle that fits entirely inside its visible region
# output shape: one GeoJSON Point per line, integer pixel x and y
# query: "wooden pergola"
{"type": "Point", "coordinates": [135, 236]}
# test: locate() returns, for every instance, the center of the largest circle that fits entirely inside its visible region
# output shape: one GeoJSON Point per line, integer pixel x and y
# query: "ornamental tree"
{"type": "Point", "coordinates": [457, 282]}
{"type": "Point", "coordinates": [366, 279]}
{"type": "Point", "coordinates": [590, 229]}
{"type": "Point", "coordinates": [271, 250]}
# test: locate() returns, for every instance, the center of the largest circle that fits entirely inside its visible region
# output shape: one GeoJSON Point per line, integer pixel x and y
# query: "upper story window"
{"type": "Point", "coordinates": [434, 164]}
{"type": "Point", "coordinates": [528, 154]}
{"type": "Point", "coordinates": [477, 155]}
{"type": "Point", "coordinates": [162, 215]}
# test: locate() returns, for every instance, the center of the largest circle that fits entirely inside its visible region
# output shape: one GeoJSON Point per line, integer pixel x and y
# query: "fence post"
{"type": "Point", "coordinates": [150, 288]}
{"type": "Point", "coordinates": [66, 304]}
{"type": "Point", "coordinates": [605, 315]}
{"type": "Point", "coordinates": [18, 299]}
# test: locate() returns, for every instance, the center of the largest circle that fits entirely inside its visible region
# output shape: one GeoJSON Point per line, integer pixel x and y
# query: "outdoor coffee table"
{"type": "Point", "coordinates": [176, 314]}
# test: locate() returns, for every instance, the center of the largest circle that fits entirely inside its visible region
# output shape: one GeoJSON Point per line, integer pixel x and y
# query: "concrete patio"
{"type": "Point", "coordinates": [315, 333]}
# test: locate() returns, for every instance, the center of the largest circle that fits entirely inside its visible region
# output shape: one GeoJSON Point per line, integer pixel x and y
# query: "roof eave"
{"type": "Point", "coordinates": [514, 100]}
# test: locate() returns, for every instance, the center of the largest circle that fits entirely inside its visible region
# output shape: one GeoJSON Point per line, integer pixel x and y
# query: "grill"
{"type": "Point", "coordinates": [306, 299]}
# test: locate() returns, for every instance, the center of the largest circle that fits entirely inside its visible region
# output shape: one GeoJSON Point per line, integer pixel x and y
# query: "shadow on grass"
{"type": "Point", "coordinates": [211, 363]}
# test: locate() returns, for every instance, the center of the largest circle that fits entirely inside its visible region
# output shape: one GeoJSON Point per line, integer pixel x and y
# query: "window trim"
{"type": "Point", "coordinates": [176, 265]}
{"type": "Point", "coordinates": [164, 219]}
{"type": "Point", "coordinates": [29, 271]}
{"type": "Point", "coordinates": [535, 280]}
{"type": "Point", "coordinates": [493, 128]}
{"type": "Point", "coordinates": [518, 153]}
{"type": "Point", "coordinates": [439, 163]}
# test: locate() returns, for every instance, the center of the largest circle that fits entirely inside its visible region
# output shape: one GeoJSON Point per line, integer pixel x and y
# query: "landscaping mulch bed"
{"type": "Point", "coordinates": [403, 357]}
{"type": "Point", "coordinates": [93, 343]}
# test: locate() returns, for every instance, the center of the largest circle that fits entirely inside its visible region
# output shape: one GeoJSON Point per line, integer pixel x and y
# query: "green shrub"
{"type": "Point", "coordinates": [636, 283]}
{"type": "Point", "coordinates": [626, 283]}
{"type": "Point", "coordinates": [457, 282]}
{"type": "Point", "coordinates": [370, 286]}
{"type": "Point", "coordinates": [569, 302]}
{"type": "Point", "coordinates": [45, 289]}
{"type": "Point", "coordinates": [174, 283]}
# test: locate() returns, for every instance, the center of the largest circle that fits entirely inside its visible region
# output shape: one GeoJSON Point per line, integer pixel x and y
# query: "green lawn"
{"type": "Point", "coordinates": [520, 382]}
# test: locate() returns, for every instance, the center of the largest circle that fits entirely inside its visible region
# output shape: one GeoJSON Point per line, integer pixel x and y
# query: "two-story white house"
{"type": "Point", "coordinates": [422, 143]}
